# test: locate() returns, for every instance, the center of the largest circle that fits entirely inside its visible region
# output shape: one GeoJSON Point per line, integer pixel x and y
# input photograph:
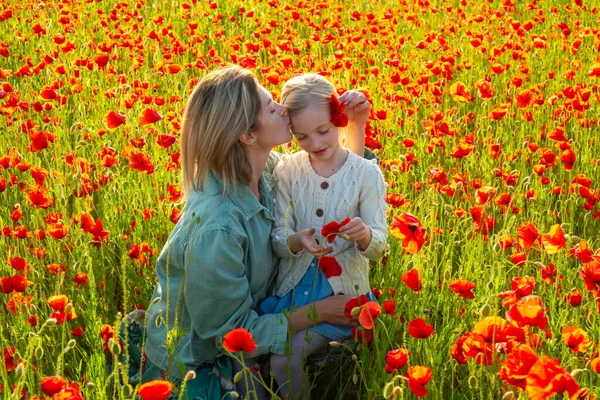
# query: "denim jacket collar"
{"type": "Point", "coordinates": [245, 200]}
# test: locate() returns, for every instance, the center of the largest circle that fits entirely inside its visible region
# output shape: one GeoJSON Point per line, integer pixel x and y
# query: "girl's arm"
{"type": "Point", "coordinates": [357, 109]}
{"type": "Point", "coordinates": [372, 210]}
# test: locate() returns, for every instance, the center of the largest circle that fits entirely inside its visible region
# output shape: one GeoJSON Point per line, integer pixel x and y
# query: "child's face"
{"type": "Point", "coordinates": [315, 133]}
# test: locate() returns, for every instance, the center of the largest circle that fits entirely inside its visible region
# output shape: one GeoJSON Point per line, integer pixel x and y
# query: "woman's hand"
{"type": "Point", "coordinates": [333, 310]}
{"type": "Point", "coordinates": [357, 231]}
{"type": "Point", "coordinates": [357, 107]}
{"type": "Point", "coordinates": [304, 240]}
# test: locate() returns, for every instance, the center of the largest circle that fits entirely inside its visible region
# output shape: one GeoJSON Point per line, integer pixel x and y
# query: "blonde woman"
{"type": "Point", "coordinates": [218, 262]}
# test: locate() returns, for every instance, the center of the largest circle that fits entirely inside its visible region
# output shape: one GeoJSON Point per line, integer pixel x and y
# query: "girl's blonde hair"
{"type": "Point", "coordinates": [303, 90]}
{"type": "Point", "coordinates": [222, 107]}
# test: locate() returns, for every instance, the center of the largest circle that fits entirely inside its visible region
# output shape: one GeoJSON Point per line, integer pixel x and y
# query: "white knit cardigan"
{"type": "Point", "coordinates": [357, 189]}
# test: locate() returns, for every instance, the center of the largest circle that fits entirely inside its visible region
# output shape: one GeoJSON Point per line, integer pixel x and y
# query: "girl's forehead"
{"type": "Point", "coordinates": [310, 119]}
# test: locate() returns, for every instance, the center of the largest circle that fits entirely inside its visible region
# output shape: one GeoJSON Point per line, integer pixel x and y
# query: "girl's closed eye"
{"type": "Point", "coordinates": [323, 132]}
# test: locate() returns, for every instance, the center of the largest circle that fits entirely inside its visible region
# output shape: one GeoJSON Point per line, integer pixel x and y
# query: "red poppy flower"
{"type": "Point", "coordinates": [528, 234]}
{"type": "Point", "coordinates": [57, 230]}
{"type": "Point", "coordinates": [389, 307]}
{"type": "Point", "coordinates": [155, 390]}
{"type": "Point", "coordinates": [419, 329]}
{"type": "Point", "coordinates": [554, 240]}
{"type": "Point", "coordinates": [409, 229]}
{"type": "Point", "coordinates": [547, 378]}
{"type": "Point", "coordinates": [52, 385]}
{"type": "Point", "coordinates": [58, 302]}
{"type": "Point", "coordinates": [18, 263]}
{"type": "Point", "coordinates": [528, 311]}
{"type": "Point", "coordinates": [114, 119]}
{"type": "Point", "coordinates": [239, 340]}
{"type": "Point", "coordinates": [418, 377]}
{"type": "Point", "coordinates": [165, 141]}
{"type": "Point", "coordinates": [331, 229]}
{"type": "Point", "coordinates": [149, 116]}
{"type": "Point", "coordinates": [330, 266]}
{"type": "Point", "coordinates": [338, 118]}
{"type": "Point", "coordinates": [516, 367]}
{"type": "Point", "coordinates": [412, 279]}
{"type": "Point", "coordinates": [576, 338]}
{"type": "Point", "coordinates": [9, 359]}
{"type": "Point", "coordinates": [464, 288]}
{"type": "Point", "coordinates": [460, 93]}
{"type": "Point", "coordinates": [141, 161]}
{"type": "Point", "coordinates": [396, 359]}
{"type": "Point", "coordinates": [575, 297]}
{"type": "Point", "coordinates": [355, 302]}
{"type": "Point", "coordinates": [368, 314]}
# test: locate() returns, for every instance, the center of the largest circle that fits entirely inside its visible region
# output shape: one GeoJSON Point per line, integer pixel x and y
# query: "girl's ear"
{"type": "Point", "coordinates": [247, 139]}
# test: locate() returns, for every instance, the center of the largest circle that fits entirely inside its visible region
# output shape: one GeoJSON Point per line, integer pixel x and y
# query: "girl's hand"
{"type": "Point", "coordinates": [357, 231]}
{"type": "Point", "coordinates": [306, 241]}
{"type": "Point", "coordinates": [357, 107]}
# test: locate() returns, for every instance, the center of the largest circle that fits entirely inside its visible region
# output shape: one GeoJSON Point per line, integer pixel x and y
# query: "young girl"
{"type": "Point", "coordinates": [322, 183]}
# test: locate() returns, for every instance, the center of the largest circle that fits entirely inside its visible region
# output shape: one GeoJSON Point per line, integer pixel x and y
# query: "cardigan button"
{"type": "Point", "coordinates": [324, 185]}
{"type": "Point", "coordinates": [319, 212]}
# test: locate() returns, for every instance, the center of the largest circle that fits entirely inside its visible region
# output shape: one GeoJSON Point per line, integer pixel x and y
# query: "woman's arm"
{"type": "Point", "coordinates": [218, 296]}
{"type": "Point", "coordinates": [331, 309]}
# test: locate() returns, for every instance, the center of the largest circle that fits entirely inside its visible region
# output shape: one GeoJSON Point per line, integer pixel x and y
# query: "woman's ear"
{"type": "Point", "coordinates": [247, 139]}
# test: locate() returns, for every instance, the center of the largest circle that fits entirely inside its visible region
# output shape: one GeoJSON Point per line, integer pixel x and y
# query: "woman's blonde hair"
{"type": "Point", "coordinates": [222, 107]}
{"type": "Point", "coordinates": [306, 90]}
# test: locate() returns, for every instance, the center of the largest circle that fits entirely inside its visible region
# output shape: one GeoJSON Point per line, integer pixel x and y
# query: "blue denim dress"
{"type": "Point", "coordinates": [313, 286]}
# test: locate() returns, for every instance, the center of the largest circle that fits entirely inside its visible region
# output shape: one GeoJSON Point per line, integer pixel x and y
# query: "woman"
{"type": "Point", "coordinates": [217, 263]}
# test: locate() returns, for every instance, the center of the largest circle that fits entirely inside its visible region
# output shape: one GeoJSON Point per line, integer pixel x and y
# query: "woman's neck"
{"type": "Point", "coordinates": [258, 161]}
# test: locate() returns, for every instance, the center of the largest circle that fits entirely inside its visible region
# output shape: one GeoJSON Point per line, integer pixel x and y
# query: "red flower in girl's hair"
{"type": "Point", "coordinates": [330, 266]}
{"type": "Point", "coordinates": [330, 230]}
{"type": "Point", "coordinates": [338, 118]}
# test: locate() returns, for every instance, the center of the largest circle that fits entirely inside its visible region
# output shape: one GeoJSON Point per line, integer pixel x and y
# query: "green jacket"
{"type": "Point", "coordinates": [215, 267]}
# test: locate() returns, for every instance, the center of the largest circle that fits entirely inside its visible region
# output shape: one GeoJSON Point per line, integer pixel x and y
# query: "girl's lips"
{"type": "Point", "coordinates": [320, 152]}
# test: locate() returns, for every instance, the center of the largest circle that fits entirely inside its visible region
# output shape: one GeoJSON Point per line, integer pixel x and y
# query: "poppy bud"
{"type": "Point", "coordinates": [238, 377]}
{"type": "Point", "coordinates": [127, 390]}
{"type": "Point", "coordinates": [355, 379]}
{"type": "Point", "coordinates": [156, 300]}
{"type": "Point", "coordinates": [190, 376]}
{"type": "Point", "coordinates": [115, 349]}
{"type": "Point", "coordinates": [508, 395]}
{"type": "Point", "coordinates": [397, 391]}
{"type": "Point", "coordinates": [38, 352]}
{"type": "Point", "coordinates": [68, 308]}
{"type": "Point", "coordinates": [234, 395]}
{"type": "Point", "coordinates": [485, 310]}
{"type": "Point", "coordinates": [76, 266]}
{"type": "Point", "coordinates": [20, 371]}
{"type": "Point", "coordinates": [402, 157]}
{"type": "Point", "coordinates": [90, 385]}
{"type": "Point", "coordinates": [355, 311]}
{"type": "Point", "coordinates": [575, 238]}
{"type": "Point", "coordinates": [354, 358]}
{"type": "Point", "coordinates": [158, 321]}
{"type": "Point", "coordinates": [539, 264]}
{"type": "Point", "coordinates": [387, 390]}
{"type": "Point", "coordinates": [343, 236]}
{"type": "Point", "coordinates": [448, 208]}
{"type": "Point", "coordinates": [333, 343]}
{"type": "Point", "coordinates": [71, 343]}
{"type": "Point", "coordinates": [576, 373]}
{"type": "Point", "coordinates": [472, 381]}
{"type": "Point", "coordinates": [50, 321]}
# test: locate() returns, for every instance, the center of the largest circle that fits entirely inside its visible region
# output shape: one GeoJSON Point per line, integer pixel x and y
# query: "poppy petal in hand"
{"type": "Point", "coordinates": [338, 118]}
{"type": "Point", "coordinates": [239, 340]}
{"type": "Point", "coordinates": [330, 266]}
{"type": "Point", "coordinates": [332, 229]}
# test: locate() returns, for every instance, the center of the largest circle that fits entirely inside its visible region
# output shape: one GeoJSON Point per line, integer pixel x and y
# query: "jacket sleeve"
{"type": "Point", "coordinates": [218, 296]}
{"type": "Point", "coordinates": [285, 222]}
{"type": "Point", "coordinates": [372, 210]}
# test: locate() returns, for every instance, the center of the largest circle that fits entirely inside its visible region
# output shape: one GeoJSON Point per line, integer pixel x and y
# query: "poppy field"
{"type": "Point", "coordinates": [486, 120]}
